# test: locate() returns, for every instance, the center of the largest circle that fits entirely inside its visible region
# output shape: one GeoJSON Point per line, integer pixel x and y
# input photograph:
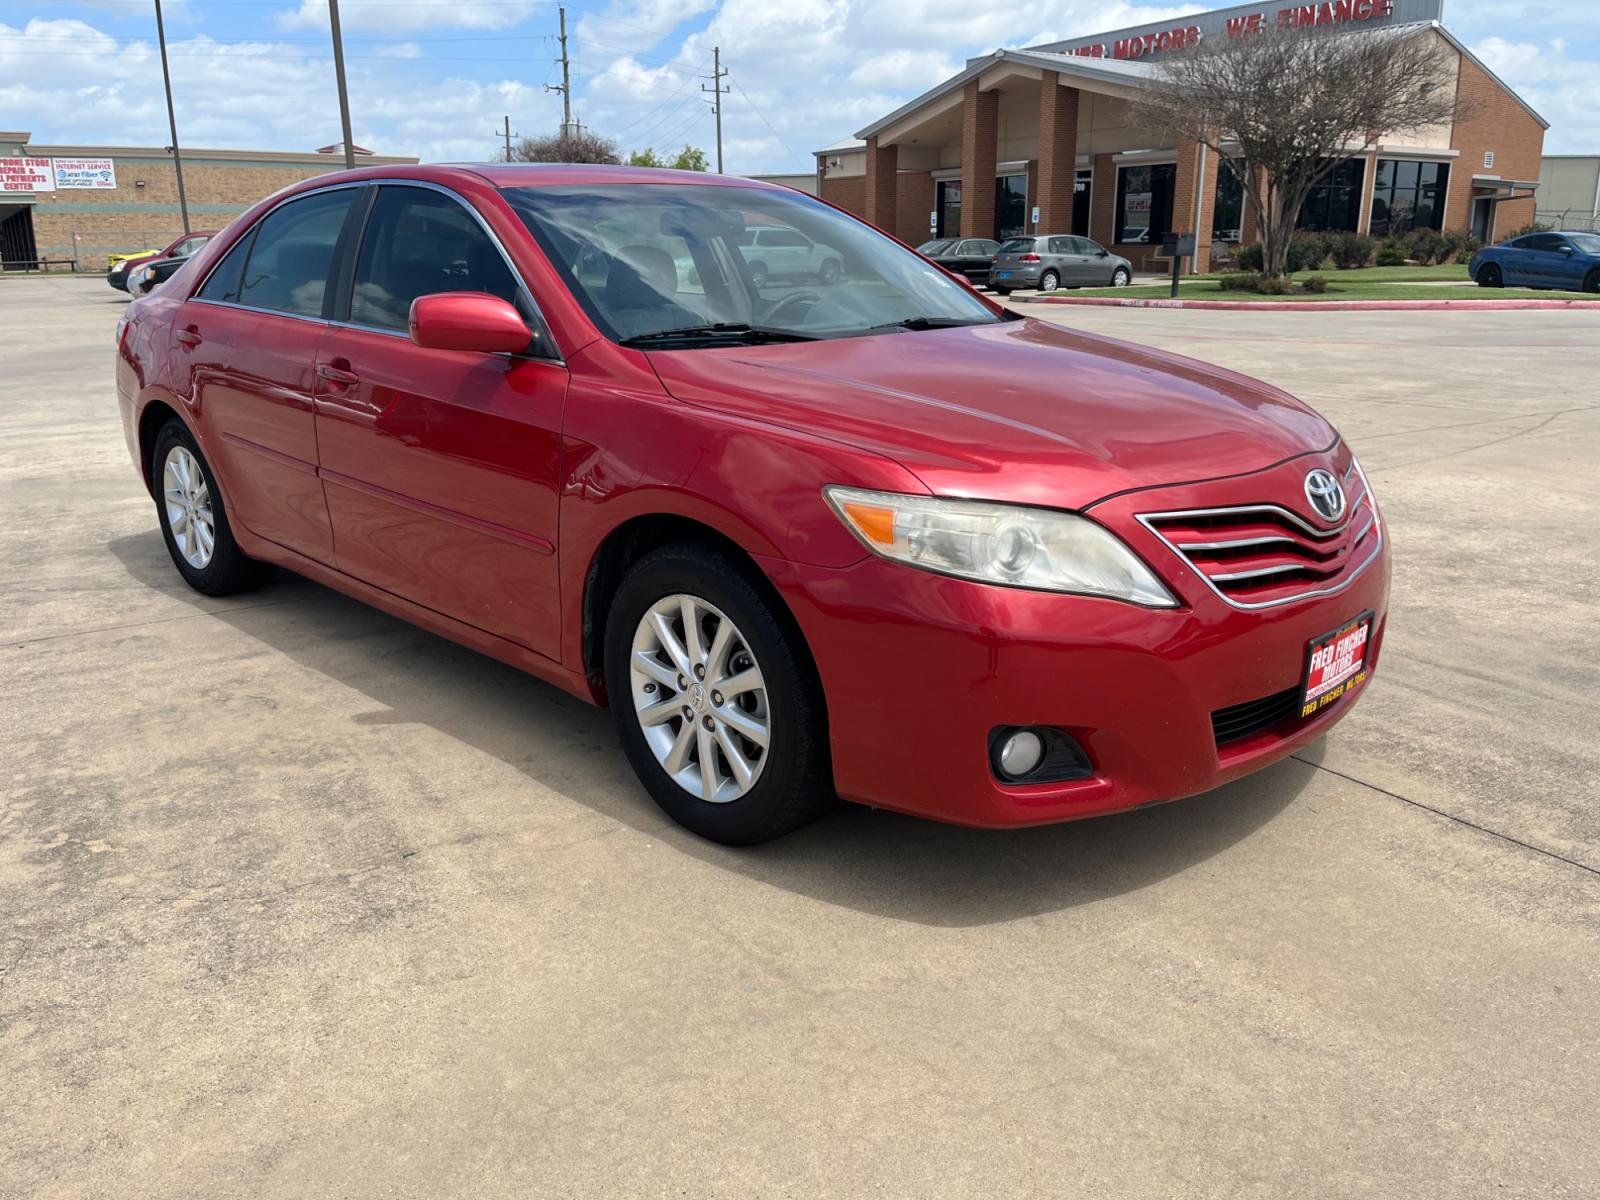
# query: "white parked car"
{"type": "Point", "coordinates": [778, 252]}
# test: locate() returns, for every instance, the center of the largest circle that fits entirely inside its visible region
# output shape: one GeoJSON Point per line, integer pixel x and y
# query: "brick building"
{"type": "Point", "coordinates": [1041, 140]}
{"type": "Point", "coordinates": [84, 202]}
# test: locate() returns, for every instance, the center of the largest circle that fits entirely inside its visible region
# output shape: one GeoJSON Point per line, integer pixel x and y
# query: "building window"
{"type": "Point", "coordinates": [1144, 202]}
{"type": "Point", "coordinates": [1407, 196]}
{"type": "Point", "coordinates": [1335, 203]}
{"type": "Point", "coordinates": [948, 206]}
{"type": "Point", "coordinates": [1082, 190]}
{"type": "Point", "coordinates": [1227, 213]}
{"type": "Point", "coordinates": [1010, 206]}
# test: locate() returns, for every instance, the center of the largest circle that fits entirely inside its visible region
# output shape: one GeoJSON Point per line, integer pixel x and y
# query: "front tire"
{"type": "Point", "coordinates": [829, 274]}
{"type": "Point", "coordinates": [194, 522]}
{"type": "Point", "coordinates": [715, 697]}
{"type": "Point", "coordinates": [998, 290]}
{"type": "Point", "coordinates": [1489, 276]}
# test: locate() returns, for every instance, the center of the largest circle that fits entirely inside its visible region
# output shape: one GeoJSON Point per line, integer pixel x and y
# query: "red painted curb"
{"type": "Point", "coordinates": [1318, 305]}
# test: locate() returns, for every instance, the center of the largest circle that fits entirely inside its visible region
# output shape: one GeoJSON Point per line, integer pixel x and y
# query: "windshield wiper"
{"type": "Point", "coordinates": [917, 324]}
{"type": "Point", "coordinates": [732, 331]}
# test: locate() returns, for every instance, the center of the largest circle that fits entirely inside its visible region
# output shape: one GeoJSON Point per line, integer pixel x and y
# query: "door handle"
{"type": "Point", "coordinates": [189, 337]}
{"type": "Point", "coordinates": [338, 375]}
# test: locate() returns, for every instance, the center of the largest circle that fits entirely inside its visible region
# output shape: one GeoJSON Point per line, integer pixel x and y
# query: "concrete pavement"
{"type": "Point", "coordinates": [296, 900]}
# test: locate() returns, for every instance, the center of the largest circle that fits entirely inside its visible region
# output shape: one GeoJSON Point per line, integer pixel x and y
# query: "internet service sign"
{"type": "Point", "coordinates": [84, 172]}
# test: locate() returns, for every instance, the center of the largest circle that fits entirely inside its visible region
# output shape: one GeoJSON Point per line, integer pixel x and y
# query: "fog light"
{"type": "Point", "coordinates": [1020, 754]}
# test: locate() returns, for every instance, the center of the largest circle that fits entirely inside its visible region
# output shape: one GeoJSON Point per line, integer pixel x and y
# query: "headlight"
{"type": "Point", "coordinates": [1033, 548]}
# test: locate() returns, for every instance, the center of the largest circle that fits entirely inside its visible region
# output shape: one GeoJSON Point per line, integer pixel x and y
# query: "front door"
{"type": "Point", "coordinates": [1482, 219]}
{"type": "Point", "coordinates": [441, 467]}
{"type": "Point", "coordinates": [1010, 206]}
{"type": "Point", "coordinates": [248, 342]}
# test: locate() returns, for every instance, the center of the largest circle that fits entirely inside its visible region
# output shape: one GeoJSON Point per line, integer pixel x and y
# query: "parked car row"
{"type": "Point", "coordinates": [1046, 261]}
{"type": "Point", "coordinates": [126, 267]}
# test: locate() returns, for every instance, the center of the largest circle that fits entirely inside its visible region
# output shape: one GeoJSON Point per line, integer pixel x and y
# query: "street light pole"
{"type": "Point", "coordinates": [172, 118]}
{"type": "Point", "coordinates": [344, 95]}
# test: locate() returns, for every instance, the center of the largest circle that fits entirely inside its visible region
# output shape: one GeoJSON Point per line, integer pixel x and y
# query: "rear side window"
{"type": "Point", "coordinates": [419, 242]}
{"type": "Point", "coordinates": [223, 283]}
{"type": "Point", "coordinates": [782, 237]}
{"type": "Point", "coordinates": [1016, 246]}
{"type": "Point", "coordinates": [292, 257]}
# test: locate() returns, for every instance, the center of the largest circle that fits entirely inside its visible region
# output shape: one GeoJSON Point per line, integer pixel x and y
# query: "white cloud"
{"type": "Point", "coordinates": [389, 17]}
{"type": "Point", "coordinates": [1558, 86]}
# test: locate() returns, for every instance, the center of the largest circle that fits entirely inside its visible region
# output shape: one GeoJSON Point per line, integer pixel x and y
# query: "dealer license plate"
{"type": "Point", "coordinates": [1336, 664]}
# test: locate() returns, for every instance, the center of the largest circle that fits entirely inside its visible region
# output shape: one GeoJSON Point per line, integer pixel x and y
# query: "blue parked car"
{"type": "Point", "coordinates": [1541, 260]}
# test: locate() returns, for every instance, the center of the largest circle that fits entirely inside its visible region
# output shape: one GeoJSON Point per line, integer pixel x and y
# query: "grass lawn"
{"type": "Point", "coordinates": [1341, 288]}
{"type": "Point", "coordinates": [1445, 273]}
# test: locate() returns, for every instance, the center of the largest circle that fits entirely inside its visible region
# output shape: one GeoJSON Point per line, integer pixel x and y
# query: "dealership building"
{"type": "Point", "coordinates": [1041, 139]}
{"type": "Point", "coordinates": [70, 204]}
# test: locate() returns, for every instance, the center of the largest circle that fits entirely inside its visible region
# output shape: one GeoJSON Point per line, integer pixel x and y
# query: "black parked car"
{"type": "Point", "coordinates": [146, 278]}
{"type": "Point", "coordinates": [965, 256]}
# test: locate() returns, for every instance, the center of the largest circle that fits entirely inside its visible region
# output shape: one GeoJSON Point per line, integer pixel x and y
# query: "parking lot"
{"type": "Point", "coordinates": [297, 900]}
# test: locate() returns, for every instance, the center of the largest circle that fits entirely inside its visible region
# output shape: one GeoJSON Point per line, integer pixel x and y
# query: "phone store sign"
{"type": "Point", "coordinates": [1244, 20]}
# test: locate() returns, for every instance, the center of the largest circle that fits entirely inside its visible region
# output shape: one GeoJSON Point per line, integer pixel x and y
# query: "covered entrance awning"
{"type": "Point", "coordinates": [1488, 193]}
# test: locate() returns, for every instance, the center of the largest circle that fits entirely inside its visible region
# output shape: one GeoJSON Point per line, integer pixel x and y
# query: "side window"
{"type": "Point", "coordinates": [1550, 241]}
{"type": "Point", "coordinates": [787, 238]}
{"type": "Point", "coordinates": [419, 242]}
{"type": "Point", "coordinates": [1085, 246]}
{"type": "Point", "coordinates": [293, 254]}
{"type": "Point", "coordinates": [223, 283]}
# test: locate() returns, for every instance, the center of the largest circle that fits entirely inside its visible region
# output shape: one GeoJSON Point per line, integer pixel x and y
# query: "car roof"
{"type": "Point", "coordinates": [541, 175]}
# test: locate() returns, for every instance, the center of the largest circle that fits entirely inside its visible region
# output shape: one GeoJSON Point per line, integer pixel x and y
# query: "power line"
{"type": "Point", "coordinates": [746, 96]}
{"type": "Point", "coordinates": [717, 92]}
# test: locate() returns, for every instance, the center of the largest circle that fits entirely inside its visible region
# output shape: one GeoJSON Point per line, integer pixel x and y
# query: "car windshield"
{"type": "Point", "coordinates": [1589, 243]}
{"type": "Point", "coordinates": [733, 263]}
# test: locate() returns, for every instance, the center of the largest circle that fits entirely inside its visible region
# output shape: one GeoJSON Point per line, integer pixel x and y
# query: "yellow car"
{"type": "Point", "coordinates": [113, 259]}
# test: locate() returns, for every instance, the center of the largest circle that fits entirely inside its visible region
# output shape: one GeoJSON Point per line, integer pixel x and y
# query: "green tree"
{"type": "Point", "coordinates": [690, 158]}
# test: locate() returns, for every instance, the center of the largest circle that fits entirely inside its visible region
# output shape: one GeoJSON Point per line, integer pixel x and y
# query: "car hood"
{"type": "Point", "coordinates": [1023, 411]}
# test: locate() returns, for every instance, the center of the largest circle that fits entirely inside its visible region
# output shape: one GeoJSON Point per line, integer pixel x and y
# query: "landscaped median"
{"type": "Point", "coordinates": [1444, 286]}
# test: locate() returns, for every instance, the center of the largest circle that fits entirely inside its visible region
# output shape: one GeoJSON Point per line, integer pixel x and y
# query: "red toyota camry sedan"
{"type": "Point", "coordinates": [855, 533]}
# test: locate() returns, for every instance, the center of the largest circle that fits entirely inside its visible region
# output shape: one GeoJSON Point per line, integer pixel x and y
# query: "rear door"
{"type": "Point", "coordinates": [1064, 257]}
{"type": "Point", "coordinates": [248, 341]}
{"type": "Point", "coordinates": [441, 467]}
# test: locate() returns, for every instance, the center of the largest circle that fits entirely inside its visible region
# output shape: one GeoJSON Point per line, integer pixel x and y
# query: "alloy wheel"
{"type": "Point", "coordinates": [1121, 278]}
{"type": "Point", "coordinates": [700, 698]}
{"type": "Point", "coordinates": [188, 504]}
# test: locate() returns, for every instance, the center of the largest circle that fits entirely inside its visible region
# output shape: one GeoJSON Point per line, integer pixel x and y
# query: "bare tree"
{"type": "Point", "coordinates": [1283, 107]}
{"type": "Point", "coordinates": [580, 146]}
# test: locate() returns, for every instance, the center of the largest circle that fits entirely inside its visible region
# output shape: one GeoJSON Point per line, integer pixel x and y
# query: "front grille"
{"type": "Point", "coordinates": [1258, 555]}
{"type": "Point", "coordinates": [1241, 721]}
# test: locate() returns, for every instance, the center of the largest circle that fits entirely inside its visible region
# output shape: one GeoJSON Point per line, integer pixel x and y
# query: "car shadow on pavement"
{"type": "Point", "coordinates": [869, 860]}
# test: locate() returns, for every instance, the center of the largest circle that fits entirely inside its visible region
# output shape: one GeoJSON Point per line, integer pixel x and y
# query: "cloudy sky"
{"type": "Point", "coordinates": [436, 77]}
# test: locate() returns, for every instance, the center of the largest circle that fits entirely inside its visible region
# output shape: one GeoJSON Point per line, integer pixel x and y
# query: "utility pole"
{"type": "Point", "coordinates": [172, 118]}
{"type": "Point", "coordinates": [344, 95]}
{"type": "Point", "coordinates": [718, 91]}
{"type": "Point", "coordinates": [508, 136]}
{"type": "Point", "coordinates": [565, 87]}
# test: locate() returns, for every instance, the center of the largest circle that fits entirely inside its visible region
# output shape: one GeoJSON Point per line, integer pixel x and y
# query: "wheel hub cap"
{"type": "Point", "coordinates": [188, 506]}
{"type": "Point", "coordinates": [700, 698]}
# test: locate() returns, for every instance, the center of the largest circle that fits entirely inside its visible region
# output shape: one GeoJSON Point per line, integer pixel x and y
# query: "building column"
{"type": "Point", "coordinates": [980, 131]}
{"type": "Point", "coordinates": [883, 170]}
{"type": "Point", "coordinates": [1194, 198]}
{"type": "Point", "coordinates": [1103, 201]}
{"type": "Point", "coordinates": [1058, 153]}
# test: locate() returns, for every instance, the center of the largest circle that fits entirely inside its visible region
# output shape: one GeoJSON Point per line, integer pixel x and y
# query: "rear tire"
{"type": "Point", "coordinates": [1489, 276]}
{"type": "Point", "coordinates": [1121, 277]}
{"type": "Point", "coordinates": [194, 522]}
{"type": "Point", "coordinates": [1049, 281]}
{"type": "Point", "coordinates": [674, 721]}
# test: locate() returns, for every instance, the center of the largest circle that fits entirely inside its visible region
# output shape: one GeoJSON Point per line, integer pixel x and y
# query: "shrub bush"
{"type": "Point", "coordinates": [1352, 250]}
{"type": "Point", "coordinates": [1461, 246]}
{"type": "Point", "coordinates": [1391, 254]}
{"type": "Point", "coordinates": [1536, 227]}
{"type": "Point", "coordinates": [1307, 252]}
{"type": "Point", "coordinates": [1315, 284]}
{"type": "Point", "coordinates": [1280, 285]}
{"type": "Point", "coordinates": [1245, 281]}
{"type": "Point", "coordinates": [1249, 258]}
{"type": "Point", "coordinates": [1425, 246]}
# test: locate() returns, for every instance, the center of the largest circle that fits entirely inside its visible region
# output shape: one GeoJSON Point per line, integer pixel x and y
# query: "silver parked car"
{"type": "Point", "coordinates": [1049, 261]}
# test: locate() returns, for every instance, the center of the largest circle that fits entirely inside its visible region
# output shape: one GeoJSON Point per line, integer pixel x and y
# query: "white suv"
{"type": "Point", "coordinates": [778, 252]}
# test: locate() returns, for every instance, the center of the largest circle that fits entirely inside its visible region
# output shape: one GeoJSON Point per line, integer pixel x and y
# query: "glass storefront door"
{"type": "Point", "coordinates": [1010, 206]}
{"type": "Point", "coordinates": [1082, 187]}
{"type": "Point", "coordinates": [948, 206]}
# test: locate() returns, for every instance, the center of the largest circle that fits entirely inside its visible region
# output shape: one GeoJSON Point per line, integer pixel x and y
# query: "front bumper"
{"type": "Point", "coordinates": [917, 669]}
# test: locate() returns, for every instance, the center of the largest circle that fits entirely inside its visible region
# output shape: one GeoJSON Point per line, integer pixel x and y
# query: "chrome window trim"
{"type": "Point", "coordinates": [1148, 521]}
{"type": "Point", "coordinates": [554, 357]}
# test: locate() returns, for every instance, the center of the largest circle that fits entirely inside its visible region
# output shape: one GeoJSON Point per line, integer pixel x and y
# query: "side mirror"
{"type": "Point", "coordinates": [468, 321]}
{"type": "Point", "coordinates": [1103, 253]}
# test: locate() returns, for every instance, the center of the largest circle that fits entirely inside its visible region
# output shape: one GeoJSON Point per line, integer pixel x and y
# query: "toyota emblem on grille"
{"type": "Point", "coordinates": [1325, 494]}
